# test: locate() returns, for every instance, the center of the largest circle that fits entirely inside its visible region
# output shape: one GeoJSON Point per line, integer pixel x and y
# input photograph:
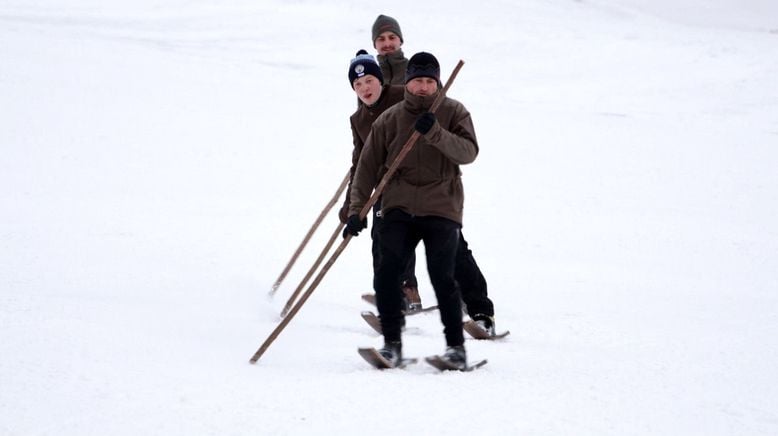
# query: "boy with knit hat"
{"type": "Point", "coordinates": [424, 202]}
{"type": "Point", "coordinates": [388, 40]}
{"type": "Point", "coordinates": [374, 97]}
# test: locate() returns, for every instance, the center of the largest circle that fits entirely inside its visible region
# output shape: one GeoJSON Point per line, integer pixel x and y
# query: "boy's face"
{"type": "Point", "coordinates": [422, 86]}
{"type": "Point", "coordinates": [368, 89]}
{"type": "Point", "coordinates": [387, 43]}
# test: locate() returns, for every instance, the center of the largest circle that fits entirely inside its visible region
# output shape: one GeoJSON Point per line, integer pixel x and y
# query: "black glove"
{"type": "Point", "coordinates": [354, 225]}
{"type": "Point", "coordinates": [425, 122]}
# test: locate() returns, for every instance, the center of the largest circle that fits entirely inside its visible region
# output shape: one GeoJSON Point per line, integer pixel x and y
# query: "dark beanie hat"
{"type": "Point", "coordinates": [422, 64]}
{"type": "Point", "coordinates": [385, 23]}
{"type": "Point", "coordinates": [361, 65]}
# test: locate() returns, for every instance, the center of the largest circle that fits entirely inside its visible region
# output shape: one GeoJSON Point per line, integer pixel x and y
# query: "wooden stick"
{"type": "Point", "coordinates": [310, 233]}
{"type": "Point", "coordinates": [307, 277]}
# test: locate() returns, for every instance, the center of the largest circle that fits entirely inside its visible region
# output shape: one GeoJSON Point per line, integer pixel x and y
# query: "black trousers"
{"type": "Point", "coordinates": [472, 283]}
{"type": "Point", "coordinates": [399, 234]}
{"type": "Point", "coordinates": [409, 274]}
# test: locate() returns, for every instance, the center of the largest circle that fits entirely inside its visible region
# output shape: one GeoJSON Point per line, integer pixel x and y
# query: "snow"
{"type": "Point", "coordinates": [162, 160]}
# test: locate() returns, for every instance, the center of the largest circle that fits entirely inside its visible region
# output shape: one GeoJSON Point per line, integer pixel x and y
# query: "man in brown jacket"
{"type": "Point", "coordinates": [388, 41]}
{"type": "Point", "coordinates": [423, 202]}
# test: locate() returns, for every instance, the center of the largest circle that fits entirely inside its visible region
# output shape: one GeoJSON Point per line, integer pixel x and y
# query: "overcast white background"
{"type": "Point", "coordinates": [161, 160]}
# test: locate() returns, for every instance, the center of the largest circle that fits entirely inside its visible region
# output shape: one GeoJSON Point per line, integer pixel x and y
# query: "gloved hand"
{"type": "Point", "coordinates": [343, 213]}
{"type": "Point", "coordinates": [354, 225]}
{"type": "Point", "coordinates": [425, 122]}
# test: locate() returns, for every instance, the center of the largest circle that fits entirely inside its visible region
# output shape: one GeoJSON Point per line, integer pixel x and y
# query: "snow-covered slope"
{"type": "Point", "coordinates": [162, 160]}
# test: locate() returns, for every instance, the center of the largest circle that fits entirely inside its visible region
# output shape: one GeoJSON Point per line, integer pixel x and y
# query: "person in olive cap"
{"type": "Point", "coordinates": [388, 40]}
{"type": "Point", "coordinates": [424, 201]}
{"type": "Point", "coordinates": [374, 98]}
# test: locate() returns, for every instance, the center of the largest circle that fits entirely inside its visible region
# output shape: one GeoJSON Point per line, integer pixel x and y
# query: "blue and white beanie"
{"type": "Point", "coordinates": [361, 65]}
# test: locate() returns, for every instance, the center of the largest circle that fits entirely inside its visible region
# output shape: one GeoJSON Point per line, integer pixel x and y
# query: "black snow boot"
{"type": "Point", "coordinates": [486, 322]}
{"type": "Point", "coordinates": [456, 356]}
{"type": "Point", "coordinates": [392, 352]}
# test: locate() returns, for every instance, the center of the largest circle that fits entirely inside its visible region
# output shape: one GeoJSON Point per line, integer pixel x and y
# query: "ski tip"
{"type": "Point", "coordinates": [502, 335]}
{"type": "Point", "coordinates": [477, 365]}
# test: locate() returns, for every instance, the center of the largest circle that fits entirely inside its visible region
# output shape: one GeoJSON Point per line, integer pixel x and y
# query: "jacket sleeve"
{"type": "Point", "coordinates": [367, 172]}
{"type": "Point", "coordinates": [457, 142]}
{"type": "Point", "coordinates": [357, 150]}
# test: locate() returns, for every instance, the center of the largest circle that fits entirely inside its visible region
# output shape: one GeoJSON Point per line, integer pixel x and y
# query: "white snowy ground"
{"type": "Point", "coordinates": [162, 159]}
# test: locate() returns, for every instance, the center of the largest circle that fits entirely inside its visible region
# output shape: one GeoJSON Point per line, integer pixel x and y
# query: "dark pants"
{"type": "Point", "coordinates": [472, 283]}
{"type": "Point", "coordinates": [409, 274]}
{"type": "Point", "coordinates": [399, 234]}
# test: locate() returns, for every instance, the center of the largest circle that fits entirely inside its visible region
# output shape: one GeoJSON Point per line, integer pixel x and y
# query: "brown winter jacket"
{"type": "Point", "coordinates": [361, 121]}
{"type": "Point", "coordinates": [428, 182]}
{"type": "Point", "coordinates": [393, 67]}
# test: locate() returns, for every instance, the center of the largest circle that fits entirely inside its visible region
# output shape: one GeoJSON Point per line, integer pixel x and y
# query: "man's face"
{"type": "Point", "coordinates": [422, 86]}
{"type": "Point", "coordinates": [387, 43]}
{"type": "Point", "coordinates": [368, 89]}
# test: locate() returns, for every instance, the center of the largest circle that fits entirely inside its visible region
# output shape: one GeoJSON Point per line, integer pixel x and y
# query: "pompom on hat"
{"type": "Point", "coordinates": [362, 65]}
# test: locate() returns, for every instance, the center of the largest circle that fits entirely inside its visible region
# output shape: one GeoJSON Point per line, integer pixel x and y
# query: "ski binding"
{"type": "Point", "coordinates": [477, 332]}
{"type": "Point", "coordinates": [370, 298]}
{"type": "Point", "coordinates": [444, 365]}
{"type": "Point", "coordinates": [374, 358]}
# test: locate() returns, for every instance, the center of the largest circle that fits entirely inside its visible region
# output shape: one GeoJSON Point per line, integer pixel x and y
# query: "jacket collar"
{"type": "Point", "coordinates": [396, 56]}
{"type": "Point", "coordinates": [416, 104]}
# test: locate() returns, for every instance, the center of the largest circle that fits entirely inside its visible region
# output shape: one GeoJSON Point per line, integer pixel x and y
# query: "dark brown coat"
{"type": "Point", "coordinates": [428, 182]}
{"type": "Point", "coordinates": [361, 121]}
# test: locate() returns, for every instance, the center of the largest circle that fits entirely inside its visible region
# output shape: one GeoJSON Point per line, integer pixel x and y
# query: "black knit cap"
{"type": "Point", "coordinates": [423, 64]}
{"type": "Point", "coordinates": [361, 65]}
{"type": "Point", "coordinates": [385, 23]}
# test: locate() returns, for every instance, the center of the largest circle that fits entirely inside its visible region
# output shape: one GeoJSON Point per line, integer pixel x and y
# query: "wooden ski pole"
{"type": "Point", "coordinates": [310, 233]}
{"type": "Point", "coordinates": [308, 275]}
{"type": "Point", "coordinates": [362, 214]}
